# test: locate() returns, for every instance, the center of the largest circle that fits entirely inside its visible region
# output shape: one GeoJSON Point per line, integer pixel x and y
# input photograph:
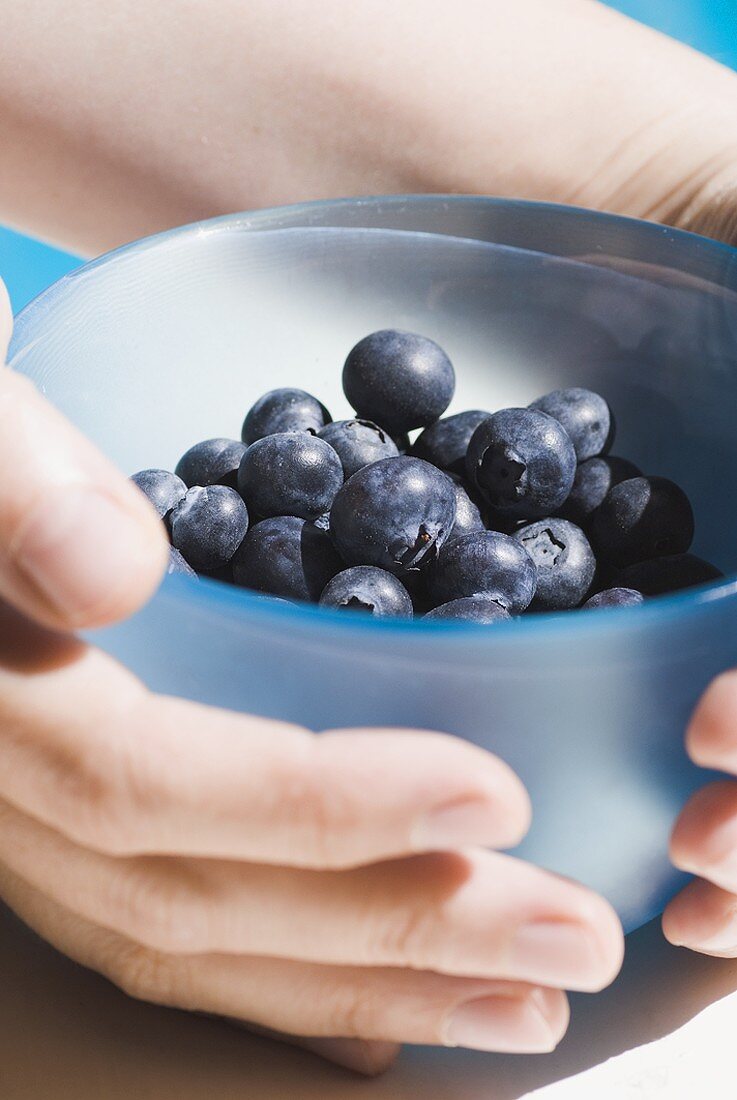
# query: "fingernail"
{"type": "Point", "coordinates": [558, 953]}
{"type": "Point", "coordinates": [473, 821]}
{"type": "Point", "coordinates": [514, 1024]}
{"type": "Point", "coordinates": [76, 546]}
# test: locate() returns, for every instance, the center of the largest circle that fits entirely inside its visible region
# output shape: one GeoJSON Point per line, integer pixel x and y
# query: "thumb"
{"type": "Point", "coordinates": [80, 546]}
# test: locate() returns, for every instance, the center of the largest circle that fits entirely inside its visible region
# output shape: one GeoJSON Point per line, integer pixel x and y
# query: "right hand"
{"type": "Point", "coordinates": [317, 886]}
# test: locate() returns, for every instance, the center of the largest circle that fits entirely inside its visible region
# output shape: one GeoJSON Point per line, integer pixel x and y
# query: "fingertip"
{"type": "Point", "coordinates": [711, 737]}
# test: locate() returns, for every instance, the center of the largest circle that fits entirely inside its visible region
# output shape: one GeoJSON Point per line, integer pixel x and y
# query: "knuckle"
{"type": "Point", "coordinates": [404, 938]}
{"type": "Point", "coordinates": [354, 1011]}
{"type": "Point", "coordinates": [144, 974]}
{"type": "Point", "coordinates": [317, 804]}
{"type": "Point", "coordinates": [154, 906]}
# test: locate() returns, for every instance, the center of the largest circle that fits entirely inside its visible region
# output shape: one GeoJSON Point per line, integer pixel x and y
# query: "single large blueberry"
{"type": "Point", "coordinates": [290, 474]}
{"type": "Point", "coordinates": [585, 416]}
{"type": "Point", "coordinates": [286, 556]}
{"type": "Point", "coordinates": [468, 514]}
{"type": "Point", "coordinates": [485, 563]}
{"type": "Point", "coordinates": [594, 478]}
{"type": "Point", "coordinates": [284, 410]}
{"type": "Point", "coordinates": [177, 564]}
{"type": "Point", "coordinates": [522, 462]}
{"type": "Point", "coordinates": [358, 443]}
{"type": "Point", "coordinates": [211, 462]}
{"type": "Point", "coordinates": [565, 563]}
{"type": "Point", "coordinates": [641, 518]}
{"type": "Point", "coordinates": [615, 597]}
{"type": "Point", "coordinates": [208, 525]}
{"type": "Point", "coordinates": [396, 513]}
{"type": "Point", "coordinates": [163, 489]}
{"type": "Point", "coordinates": [367, 588]}
{"type": "Point", "coordinates": [398, 379]}
{"type": "Point", "coordinates": [669, 574]}
{"type": "Point", "coordinates": [470, 609]}
{"type": "Point", "coordinates": [445, 442]}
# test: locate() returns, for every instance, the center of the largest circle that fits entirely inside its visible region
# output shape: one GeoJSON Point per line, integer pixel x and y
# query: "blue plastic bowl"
{"type": "Point", "coordinates": [171, 339]}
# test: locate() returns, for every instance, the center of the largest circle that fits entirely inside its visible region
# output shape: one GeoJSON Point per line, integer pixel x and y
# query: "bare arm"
{"type": "Point", "coordinates": [119, 119]}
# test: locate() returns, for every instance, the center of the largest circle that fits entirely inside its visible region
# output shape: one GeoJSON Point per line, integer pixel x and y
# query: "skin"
{"type": "Point", "coordinates": [186, 858]}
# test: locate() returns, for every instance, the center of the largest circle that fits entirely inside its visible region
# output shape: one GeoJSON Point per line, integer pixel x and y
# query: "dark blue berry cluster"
{"type": "Point", "coordinates": [483, 516]}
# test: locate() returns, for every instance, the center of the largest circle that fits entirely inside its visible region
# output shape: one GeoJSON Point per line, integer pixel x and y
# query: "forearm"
{"type": "Point", "coordinates": [117, 120]}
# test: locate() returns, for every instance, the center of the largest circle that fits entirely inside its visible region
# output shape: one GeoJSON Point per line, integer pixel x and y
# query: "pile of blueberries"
{"type": "Point", "coordinates": [482, 517]}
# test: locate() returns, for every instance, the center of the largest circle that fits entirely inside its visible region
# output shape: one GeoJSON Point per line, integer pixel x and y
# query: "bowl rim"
{"type": "Point", "coordinates": [210, 593]}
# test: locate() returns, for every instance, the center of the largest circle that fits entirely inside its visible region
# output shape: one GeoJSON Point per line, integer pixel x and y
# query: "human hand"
{"type": "Point", "coordinates": [704, 841]}
{"type": "Point", "coordinates": [240, 866]}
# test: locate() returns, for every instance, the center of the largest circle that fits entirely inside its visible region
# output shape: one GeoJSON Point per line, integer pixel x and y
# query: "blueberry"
{"type": "Point", "coordinates": [358, 443]}
{"type": "Point", "coordinates": [445, 442]}
{"type": "Point", "coordinates": [164, 490]}
{"type": "Point", "coordinates": [565, 563]}
{"type": "Point", "coordinates": [594, 478]}
{"type": "Point", "coordinates": [585, 416]}
{"type": "Point", "coordinates": [615, 597]}
{"type": "Point", "coordinates": [468, 515]}
{"type": "Point", "coordinates": [177, 564]}
{"type": "Point", "coordinates": [398, 379]}
{"type": "Point", "coordinates": [208, 526]}
{"type": "Point", "coordinates": [290, 474]}
{"type": "Point", "coordinates": [522, 462]}
{"type": "Point", "coordinates": [212, 462]}
{"type": "Point", "coordinates": [642, 518]}
{"type": "Point", "coordinates": [284, 410]}
{"type": "Point", "coordinates": [396, 513]}
{"type": "Point", "coordinates": [367, 588]}
{"type": "Point", "coordinates": [288, 557]}
{"type": "Point", "coordinates": [471, 609]}
{"type": "Point", "coordinates": [484, 563]}
{"type": "Point", "coordinates": [668, 574]}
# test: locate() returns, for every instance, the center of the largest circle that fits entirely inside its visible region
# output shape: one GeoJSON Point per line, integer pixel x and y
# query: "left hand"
{"type": "Point", "coordinates": [704, 841]}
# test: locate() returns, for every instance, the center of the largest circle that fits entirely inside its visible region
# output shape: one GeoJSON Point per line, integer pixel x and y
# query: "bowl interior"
{"type": "Point", "coordinates": [170, 342]}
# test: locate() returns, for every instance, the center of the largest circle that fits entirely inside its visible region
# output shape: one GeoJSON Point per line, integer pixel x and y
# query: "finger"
{"type": "Point", "coordinates": [85, 943]}
{"type": "Point", "coordinates": [477, 914]}
{"type": "Point", "coordinates": [79, 544]}
{"type": "Point", "coordinates": [704, 839]}
{"type": "Point", "coordinates": [711, 739]}
{"type": "Point", "coordinates": [388, 1005]}
{"type": "Point", "coordinates": [703, 917]}
{"type": "Point", "coordinates": [131, 773]}
{"type": "Point", "coordinates": [6, 322]}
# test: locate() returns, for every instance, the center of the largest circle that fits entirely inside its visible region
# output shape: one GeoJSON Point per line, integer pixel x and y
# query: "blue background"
{"type": "Point", "coordinates": [710, 25]}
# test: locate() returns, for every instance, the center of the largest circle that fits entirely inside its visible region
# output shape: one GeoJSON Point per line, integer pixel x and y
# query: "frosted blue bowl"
{"type": "Point", "coordinates": [169, 340]}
